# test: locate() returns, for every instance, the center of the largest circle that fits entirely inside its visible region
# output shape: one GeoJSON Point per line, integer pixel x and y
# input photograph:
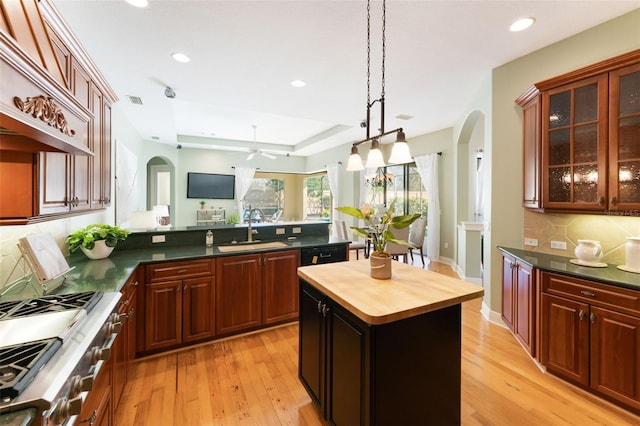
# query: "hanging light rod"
{"type": "Point", "coordinates": [398, 131]}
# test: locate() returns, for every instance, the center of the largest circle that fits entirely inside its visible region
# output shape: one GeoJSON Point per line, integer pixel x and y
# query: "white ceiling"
{"type": "Point", "coordinates": [244, 54]}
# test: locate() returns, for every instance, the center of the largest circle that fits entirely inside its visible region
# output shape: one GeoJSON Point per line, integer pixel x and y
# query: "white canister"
{"type": "Point", "coordinates": [589, 251]}
{"type": "Point", "coordinates": [632, 252]}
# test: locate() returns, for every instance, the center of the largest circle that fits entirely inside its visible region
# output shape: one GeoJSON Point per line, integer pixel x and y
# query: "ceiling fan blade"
{"type": "Point", "coordinates": [270, 156]}
{"type": "Point", "coordinates": [250, 156]}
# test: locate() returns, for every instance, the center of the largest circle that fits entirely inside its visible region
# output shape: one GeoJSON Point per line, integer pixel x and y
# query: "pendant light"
{"type": "Point", "coordinates": [400, 152]}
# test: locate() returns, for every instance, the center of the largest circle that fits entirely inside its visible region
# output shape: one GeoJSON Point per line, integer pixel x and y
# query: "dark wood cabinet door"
{"type": "Point", "coordinates": [280, 286]}
{"type": "Point", "coordinates": [524, 320]}
{"type": "Point", "coordinates": [97, 408]}
{"type": "Point", "coordinates": [624, 149]}
{"type": "Point", "coordinates": [615, 351]}
{"type": "Point", "coordinates": [311, 354]}
{"type": "Point", "coordinates": [345, 393]}
{"type": "Point", "coordinates": [565, 338]}
{"type": "Point", "coordinates": [119, 358]}
{"type": "Point", "coordinates": [574, 145]}
{"type": "Point", "coordinates": [106, 153]}
{"type": "Point", "coordinates": [531, 152]}
{"type": "Point", "coordinates": [163, 315]}
{"type": "Point", "coordinates": [198, 309]}
{"type": "Point", "coordinates": [508, 290]}
{"type": "Point", "coordinates": [238, 293]}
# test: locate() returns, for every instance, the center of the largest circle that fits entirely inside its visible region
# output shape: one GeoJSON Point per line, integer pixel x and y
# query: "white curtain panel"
{"type": "Point", "coordinates": [332, 176]}
{"type": "Point", "coordinates": [427, 166]}
{"type": "Point", "coordinates": [244, 176]}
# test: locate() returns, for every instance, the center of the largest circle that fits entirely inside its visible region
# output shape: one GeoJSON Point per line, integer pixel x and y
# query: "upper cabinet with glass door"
{"type": "Point", "coordinates": [624, 140]}
{"type": "Point", "coordinates": [574, 145]}
{"type": "Point", "coordinates": [588, 139]}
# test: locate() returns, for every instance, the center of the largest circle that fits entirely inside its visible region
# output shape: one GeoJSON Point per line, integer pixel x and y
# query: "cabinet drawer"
{"type": "Point", "coordinates": [621, 299]}
{"type": "Point", "coordinates": [178, 270]}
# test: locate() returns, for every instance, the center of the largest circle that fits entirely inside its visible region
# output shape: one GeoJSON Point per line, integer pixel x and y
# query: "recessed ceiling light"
{"type": "Point", "coordinates": [138, 3]}
{"type": "Point", "coordinates": [180, 57]}
{"type": "Point", "coordinates": [298, 83]}
{"type": "Point", "coordinates": [522, 24]}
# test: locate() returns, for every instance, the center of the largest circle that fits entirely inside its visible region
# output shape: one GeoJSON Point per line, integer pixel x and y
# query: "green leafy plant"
{"type": "Point", "coordinates": [203, 203]}
{"type": "Point", "coordinates": [87, 236]}
{"type": "Point", "coordinates": [233, 219]}
{"type": "Point", "coordinates": [377, 226]}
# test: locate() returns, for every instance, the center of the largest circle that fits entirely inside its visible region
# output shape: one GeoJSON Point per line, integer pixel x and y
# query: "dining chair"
{"type": "Point", "coordinates": [343, 234]}
{"type": "Point", "coordinates": [416, 237]}
{"type": "Point", "coordinates": [397, 250]}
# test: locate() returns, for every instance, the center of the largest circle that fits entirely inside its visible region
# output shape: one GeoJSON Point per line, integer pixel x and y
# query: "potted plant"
{"type": "Point", "coordinates": [96, 241]}
{"type": "Point", "coordinates": [377, 231]}
{"type": "Point", "coordinates": [203, 204]}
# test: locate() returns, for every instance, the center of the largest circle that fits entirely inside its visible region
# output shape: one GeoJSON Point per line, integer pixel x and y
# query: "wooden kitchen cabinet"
{"type": "Point", "coordinates": [280, 286]}
{"type": "Point", "coordinates": [624, 149]}
{"type": "Point", "coordinates": [238, 293]}
{"type": "Point", "coordinates": [256, 289]}
{"type": "Point", "coordinates": [97, 409]}
{"type": "Point", "coordinates": [124, 348]}
{"type": "Point", "coordinates": [179, 303]}
{"type": "Point", "coordinates": [590, 335]}
{"type": "Point", "coordinates": [531, 103]}
{"type": "Point", "coordinates": [332, 358]}
{"type": "Point", "coordinates": [580, 139]}
{"type": "Point", "coordinates": [519, 300]}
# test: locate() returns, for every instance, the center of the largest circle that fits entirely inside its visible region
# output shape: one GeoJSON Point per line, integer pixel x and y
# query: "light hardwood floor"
{"type": "Point", "coordinates": [253, 380]}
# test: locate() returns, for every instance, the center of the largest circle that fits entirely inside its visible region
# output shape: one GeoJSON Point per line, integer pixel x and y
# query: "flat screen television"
{"type": "Point", "coordinates": [212, 186]}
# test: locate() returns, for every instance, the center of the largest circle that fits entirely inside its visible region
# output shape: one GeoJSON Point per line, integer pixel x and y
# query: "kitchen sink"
{"type": "Point", "coordinates": [252, 246]}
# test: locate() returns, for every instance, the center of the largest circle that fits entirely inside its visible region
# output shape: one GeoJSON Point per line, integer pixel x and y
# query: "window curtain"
{"type": "Point", "coordinates": [427, 166]}
{"type": "Point", "coordinates": [244, 177]}
{"type": "Point", "coordinates": [334, 187]}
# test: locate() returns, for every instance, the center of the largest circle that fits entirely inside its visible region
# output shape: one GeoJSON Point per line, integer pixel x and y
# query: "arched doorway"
{"type": "Point", "coordinates": [161, 186]}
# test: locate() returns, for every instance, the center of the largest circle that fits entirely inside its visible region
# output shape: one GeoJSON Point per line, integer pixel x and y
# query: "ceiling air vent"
{"type": "Point", "coordinates": [404, 117]}
{"type": "Point", "coordinates": [136, 100]}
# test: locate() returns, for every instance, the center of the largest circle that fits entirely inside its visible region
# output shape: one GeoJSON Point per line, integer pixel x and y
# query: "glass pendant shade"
{"type": "Point", "coordinates": [400, 153]}
{"type": "Point", "coordinates": [374, 159]}
{"type": "Point", "coordinates": [355, 162]}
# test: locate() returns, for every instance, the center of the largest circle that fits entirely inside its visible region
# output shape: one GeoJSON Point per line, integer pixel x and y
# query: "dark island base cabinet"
{"type": "Point", "coordinates": [358, 374]}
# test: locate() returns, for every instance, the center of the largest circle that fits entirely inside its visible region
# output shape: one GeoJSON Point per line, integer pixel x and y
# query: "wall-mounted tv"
{"type": "Point", "coordinates": [208, 185]}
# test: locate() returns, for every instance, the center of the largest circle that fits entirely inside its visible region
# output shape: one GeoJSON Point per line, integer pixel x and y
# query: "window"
{"type": "Point", "coordinates": [406, 188]}
{"type": "Point", "coordinates": [265, 194]}
{"type": "Point", "coordinates": [317, 198]}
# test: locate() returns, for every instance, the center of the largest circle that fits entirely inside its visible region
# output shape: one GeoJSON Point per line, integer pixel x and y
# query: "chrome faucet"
{"type": "Point", "coordinates": [251, 231]}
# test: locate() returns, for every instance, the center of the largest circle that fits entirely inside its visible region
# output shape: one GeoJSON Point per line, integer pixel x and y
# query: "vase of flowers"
{"type": "Point", "coordinates": [376, 230]}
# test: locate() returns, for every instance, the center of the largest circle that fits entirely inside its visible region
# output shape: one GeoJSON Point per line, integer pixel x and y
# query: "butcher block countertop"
{"type": "Point", "coordinates": [410, 292]}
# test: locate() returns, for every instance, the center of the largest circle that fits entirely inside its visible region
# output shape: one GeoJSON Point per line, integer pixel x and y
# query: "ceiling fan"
{"type": "Point", "coordinates": [254, 150]}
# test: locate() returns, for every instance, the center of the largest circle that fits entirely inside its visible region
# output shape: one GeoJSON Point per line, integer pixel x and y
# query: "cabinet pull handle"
{"type": "Point", "coordinates": [613, 201]}
{"type": "Point", "coordinates": [91, 420]}
{"type": "Point", "coordinates": [182, 271]}
{"type": "Point", "coordinates": [592, 317]}
{"type": "Point", "coordinates": [135, 283]}
{"type": "Point", "coordinates": [319, 306]}
{"type": "Point", "coordinates": [587, 293]}
{"type": "Point", "coordinates": [601, 201]}
{"type": "Point", "coordinates": [325, 309]}
{"type": "Point", "coordinates": [512, 265]}
{"type": "Point", "coordinates": [581, 315]}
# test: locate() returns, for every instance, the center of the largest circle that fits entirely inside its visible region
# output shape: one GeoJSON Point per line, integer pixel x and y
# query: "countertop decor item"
{"type": "Point", "coordinates": [96, 241]}
{"type": "Point", "coordinates": [377, 232]}
{"type": "Point", "coordinates": [580, 262]}
{"type": "Point", "coordinates": [632, 255]}
{"type": "Point", "coordinates": [589, 251]}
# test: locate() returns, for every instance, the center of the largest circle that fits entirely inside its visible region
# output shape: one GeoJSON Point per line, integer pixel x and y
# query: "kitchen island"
{"type": "Point", "coordinates": [379, 352]}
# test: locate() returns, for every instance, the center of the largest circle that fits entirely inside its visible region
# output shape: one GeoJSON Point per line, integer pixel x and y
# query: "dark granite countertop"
{"type": "Point", "coordinates": [111, 274]}
{"type": "Point", "coordinates": [562, 265]}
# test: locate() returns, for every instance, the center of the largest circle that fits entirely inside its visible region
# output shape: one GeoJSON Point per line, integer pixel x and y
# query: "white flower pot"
{"type": "Point", "coordinates": [100, 251]}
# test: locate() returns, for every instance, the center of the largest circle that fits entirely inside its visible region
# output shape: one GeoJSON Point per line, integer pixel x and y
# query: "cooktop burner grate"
{"type": "Point", "coordinates": [19, 364]}
{"type": "Point", "coordinates": [52, 303]}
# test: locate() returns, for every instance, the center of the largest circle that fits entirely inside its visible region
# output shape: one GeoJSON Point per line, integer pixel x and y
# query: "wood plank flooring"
{"type": "Point", "coordinates": [253, 380]}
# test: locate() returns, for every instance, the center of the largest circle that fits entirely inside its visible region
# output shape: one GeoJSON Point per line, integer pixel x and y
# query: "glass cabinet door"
{"type": "Point", "coordinates": [574, 143]}
{"type": "Point", "coordinates": [624, 143]}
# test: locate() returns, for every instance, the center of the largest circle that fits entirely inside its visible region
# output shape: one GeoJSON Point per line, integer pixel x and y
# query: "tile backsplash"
{"type": "Point", "coordinates": [611, 231]}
